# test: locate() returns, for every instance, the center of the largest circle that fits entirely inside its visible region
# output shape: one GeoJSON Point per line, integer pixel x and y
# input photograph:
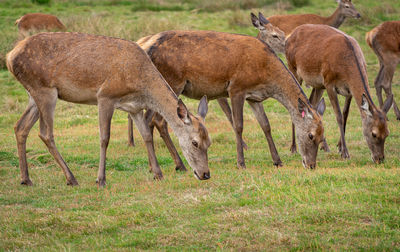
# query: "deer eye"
{"type": "Point", "coordinates": [310, 136]}
{"type": "Point", "coordinates": [373, 134]}
{"type": "Point", "coordinates": [275, 36]}
{"type": "Point", "coordinates": [196, 144]}
{"type": "Point", "coordinates": [347, 6]}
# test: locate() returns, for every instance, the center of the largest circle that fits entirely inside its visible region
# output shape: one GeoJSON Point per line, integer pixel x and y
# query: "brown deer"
{"type": "Point", "coordinates": [35, 22]}
{"type": "Point", "coordinates": [112, 73]}
{"type": "Point", "coordinates": [385, 42]}
{"type": "Point", "coordinates": [216, 64]}
{"type": "Point", "coordinates": [270, 34]}
{"type": "Point", "coordinates": [326, 58]}
{"type": "Point", "coordinates": [287, 23]}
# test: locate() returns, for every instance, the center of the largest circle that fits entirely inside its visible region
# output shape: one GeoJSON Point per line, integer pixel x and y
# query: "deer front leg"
{"type": "Point", "coordinates": [346, 109]}
{"type": "Point", "coordinates": [335, 103]}
{"type": "Point", "coordinates": [144, 130]}
{"type": "Point", "coordinates": [106, 111]}
{"type": "Point", "coordinates": [237, 101]}
{"type": "Point", "coordinates": [386, 83]}
{"type": "Point", "coordinates": [315, 97]}
{"type": "Point", "coordinates": [293, 148]}
{"type": "Point", "coordinates": [22, 129]}
{"type": "Point", "coordinates": [162, 127]}
{"type": "Point", "coordinates": [131, 140]}
{"type": "Point", "coordinates": [223, 103]}
{"type": "Point", "coordinates": [378, 84]}
{"type": "Point", "coordinates": [262, 119]}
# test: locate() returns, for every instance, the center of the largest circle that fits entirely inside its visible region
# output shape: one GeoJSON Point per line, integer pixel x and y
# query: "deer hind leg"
{"type": "Point", "coordinates": [131, 140]}
{"type": "Point", "coordinates": [162, 128]}
{"type": "Point", "coordinates": [262, 119]}
{"type": "Point", "coordinates": [346, 109]}
{"type": "Point", "coordinates": [22, 129]}
{"type": "Point", "coordinates": [386, 84]}
{"type": "Point", "coordinates": [144, 130]}
{"type": "Point", "coordinates": [223, 103]}
{"type": "Point", "coordinates": [237, 101]}
{"type": "Point", "coordinates": [46, 104]}
{"type": "Point", "coordinates": [339, 118]}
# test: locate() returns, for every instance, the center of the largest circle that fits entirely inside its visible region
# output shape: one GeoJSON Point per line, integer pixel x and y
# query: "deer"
{"type": "Point", "coordinates": [243, 68]}
{"type": "Point", "coordinates": [326, 58]}
{"type": "Point", "coordinates": [287, 23]}
{"type": "Point", "coordinates": [385, 42]}
{"type": "Point", "coordinates": [34, 22]}
{"type": "Point", "coordinates": [108, 72]}
{"type": "Point", "coordinates": [271, 35]}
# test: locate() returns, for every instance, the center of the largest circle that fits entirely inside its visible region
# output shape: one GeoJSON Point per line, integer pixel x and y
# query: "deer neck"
{"type": "Point", "coordinates": [165, 102]}
{"type": "Point", "coordinates": [336, 19]}
{"type": "Point", "coordinates": [287, 92]}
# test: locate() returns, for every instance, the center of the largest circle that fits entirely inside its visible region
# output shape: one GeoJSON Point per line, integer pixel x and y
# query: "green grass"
{"type": "Point", "coordinates": [342, 205]}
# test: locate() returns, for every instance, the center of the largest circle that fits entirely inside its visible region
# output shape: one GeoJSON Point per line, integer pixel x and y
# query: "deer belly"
{"type": "Point", "coordinates": [72, 93]}
{"type": "Point", "coordinates": [197, 89]}
{"type": "Point", "coordinates": [314, 80]}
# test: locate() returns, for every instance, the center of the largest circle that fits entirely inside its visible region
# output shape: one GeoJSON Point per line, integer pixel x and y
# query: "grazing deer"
{"type": "Point", "coordinates": [216, 64]}
{"type": "Point", "coordinates": [112, 73]}
{"type": "Point", "coordinates": [35, 22]}
{"type": "Point", "coordinates": [287, 23]}
{"type": "Point", "coordinates": [326, 58]}
{"type": "Point", "coordinates": [271, 35]}
{"type": "Point", "coordinates": [385, 41]}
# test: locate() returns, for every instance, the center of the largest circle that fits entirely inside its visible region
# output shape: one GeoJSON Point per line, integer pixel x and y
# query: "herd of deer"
{"type": "Point", "coordinates": [151, 74]}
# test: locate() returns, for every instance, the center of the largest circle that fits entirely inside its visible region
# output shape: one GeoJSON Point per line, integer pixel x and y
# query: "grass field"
{"type": "Point", "coordinates": [342, 205]}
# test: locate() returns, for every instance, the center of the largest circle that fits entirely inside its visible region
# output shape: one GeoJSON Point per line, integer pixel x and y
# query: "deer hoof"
{"type": "Point", "coordinates": [241, 166]}
{"type": "Point", "coordinates": [278, 164]}
{"type": "Point", "coordinates": [293, 149]}
{"type": "Point", "coordinates": [26, 182]}
{"type": "Point", "coordinates": [345, 155]}
{"type": "Point", "coordinates": [101, 182]}
{"type": "Point", "coordinates": [158, 176]}
{"type": "Point", "coordinates": [181, 168]}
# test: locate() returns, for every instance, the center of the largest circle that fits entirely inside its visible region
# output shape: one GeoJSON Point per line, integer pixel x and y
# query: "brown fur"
{"type": "Point", "coordinates": [385, 42]}
{"type": "Point", "coordinates": [112, 73]}
{"type": "Point", "coordinates": [35, 22]}
{"type": "Point", "coordinates": [197, 63]}
{"type": "Point", "coordinates": [326, 58]}
{"type": "Point", "coordinates": [287, 23]}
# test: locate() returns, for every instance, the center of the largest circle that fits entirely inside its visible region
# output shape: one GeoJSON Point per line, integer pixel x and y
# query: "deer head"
{"type": "Point", "coordinates": [310, 132]}
{"type": "Point", "coordinates": [269, 33]}
{"type": "Point", "coordinates": [194, 138]}
{"type": "Point", "coordinates": [375, 127]}
{"type": "Point", "coordinates": [347, 9]}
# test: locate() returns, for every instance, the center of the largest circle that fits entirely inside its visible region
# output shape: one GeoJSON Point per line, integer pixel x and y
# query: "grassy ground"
{"type": "Point", "coordinates": [342, 205]}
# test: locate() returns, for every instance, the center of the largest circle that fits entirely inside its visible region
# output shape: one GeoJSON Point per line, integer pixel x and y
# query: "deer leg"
{"type": "Point", "coordinates": [131, 140]}
{"type": "Point", "coordinates": [46, 104]}
{"type": "Point", "coordinates": [223, 103]}
{"type": "Point", "coordinates": [21, 129]}
{"type": "Point", "coordinates": [148, 140]}
{"type": "Point", "coordinates": [106, 111]}
{"type": "Point", "coordinates": [293, 147]}
{"type": "Point", "coordinates": [339, 118]}
{"type": "Point", "coordinates": [237, 101]}
{"type": "Point", "coordinates": [346, 109]}
{"type": "Point", "coordinates": [378, 84]}
{"type": "Point", "coordinates": [262, 119]}
{"type": "Point", "coordinates": [386, 83]}
{"type": "Point", "coordinates": [162, 127]}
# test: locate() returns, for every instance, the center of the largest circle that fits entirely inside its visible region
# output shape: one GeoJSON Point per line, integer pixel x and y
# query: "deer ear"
{"type": "Point", "coordinates": [303, 109]}
{"type": "Point", "coordinates": [366, 106]}
{"type": "Point", "coordinates": [203, 107]}
{"type": "Point", "coordinates": [255, 21]}
{"type": "Point", "coordinates": [321, 107]}
{"type": "Point", "coordinates": [388, 104]}
{"type": "Point", "coordinates": [262, 19]}
{"type": "Point", "coordinates": [183, 112]}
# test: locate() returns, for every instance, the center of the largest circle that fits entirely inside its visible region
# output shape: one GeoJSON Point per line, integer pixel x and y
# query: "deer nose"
{"type": "Point", "coordinates": [312, 166]}
{"type": "Point", "coordinates": [206, 175]}
{"type": "Point", "coordinates": [358, 15]}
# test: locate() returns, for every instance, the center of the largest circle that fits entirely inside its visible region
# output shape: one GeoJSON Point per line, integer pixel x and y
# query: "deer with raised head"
{"type": "Point", "coordinates": [112, 73]}
{"type": "Point", "coordinates": [216, 64]}
{"type": "Point", "coordinates": [287, 23]}
{"type": "Point", "coordinates": [34, 22]}
{"type": "Point", "coordinates": [385, 42]}
{"type": "Point", "coordinates": [326, 58]}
